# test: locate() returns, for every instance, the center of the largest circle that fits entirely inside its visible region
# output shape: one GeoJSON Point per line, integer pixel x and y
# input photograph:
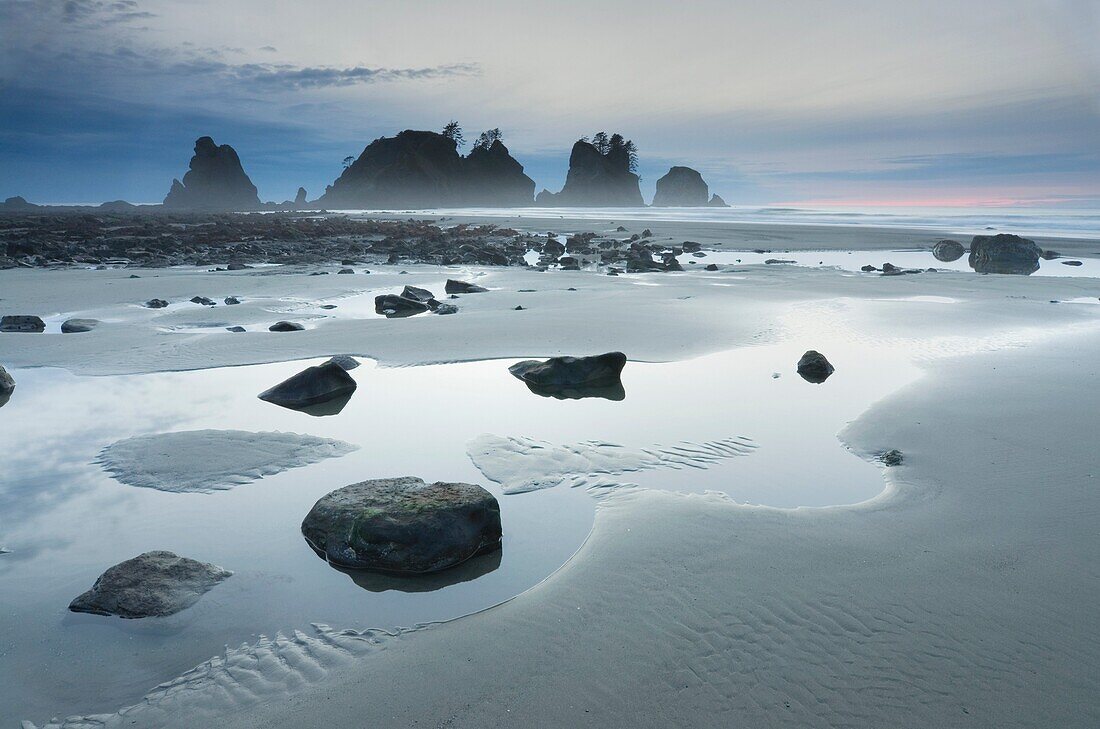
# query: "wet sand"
{"type": "Point", "coordinates": [959, 596]}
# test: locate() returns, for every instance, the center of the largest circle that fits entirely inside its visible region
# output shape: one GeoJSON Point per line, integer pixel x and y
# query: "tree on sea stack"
{"type": "Point", "coordinates": [453, 132]}
{"type": "Point", "coordinates": [488, 137]}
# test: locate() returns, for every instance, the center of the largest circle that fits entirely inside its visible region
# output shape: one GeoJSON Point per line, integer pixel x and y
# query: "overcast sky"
{"type": "Point", "coordinates": [796, 101]}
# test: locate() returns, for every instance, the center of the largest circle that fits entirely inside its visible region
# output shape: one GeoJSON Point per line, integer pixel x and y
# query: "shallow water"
{"type": "Point", "coordinates": [65, 520]}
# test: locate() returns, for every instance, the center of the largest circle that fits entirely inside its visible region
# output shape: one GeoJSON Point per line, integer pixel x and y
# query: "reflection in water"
{"type": "Point", "coordinates": [322, 409]}
{"type": "Point", "coordinates": [471, 569]}
{"type": "Point", "coordinates": [613, 391]}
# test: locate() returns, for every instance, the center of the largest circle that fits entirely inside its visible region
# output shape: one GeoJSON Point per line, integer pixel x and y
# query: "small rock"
{"type": "Point", "coordinates": [772, 261]}
{"type": "Point", "coordinates": [462, 287]}
{"type": "Point", "coordinates": [328, 307]}
{"type": "Point", "coordinates": [156, 304]}
{"type": "Point", "coordinates": [22, 323]}
{"type": "Point", "coordinates": [813, 367]}
{"type": "Point", "coordinates": [710, 267]}
{"type": "Point", "coordinates": [446, 309]}
{"type": "Point", "coordinates": [237, 267]}
{"type": "Point", "coordinates": [518, 308]}
{"type": "Point", "coordinates": [231, 300]}
{"type": "Point", "coordinates": [285, 326]}
{"type": "Point", "coordinates": [891, 457]}
{"type": "Point", "coordinates": [134, 275]}
{"type": "Point", "coordinates": [345, 271]}
{"type": "Point", "coordinates": [74, 326]}
{"type": "Point", "coordinates": [237, 329]}
{"type": "Point", "coordinates": [868, 268]}
{"type": "Point", "coordinates": [403, 525]}
{"type": "Point", "coordinates": [154, 584]}
{"type": "Point", "coordinates": [344, 361]}
{"type": "Point", "coordinates": [1072, 263]}
{"type": "Point", "coordinates": [393, 305]}
{"type": "Point", "coordinates": [417, 294]}
{"type": "Point", "coordinates": [202, 300]}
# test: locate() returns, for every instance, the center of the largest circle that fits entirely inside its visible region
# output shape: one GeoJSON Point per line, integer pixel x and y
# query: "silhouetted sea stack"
{"type": "Point", "coordinates": [215, 181]}
{"type": "Point", "coordinates": [424, 170]}
{"type": "Point", "coordinates": [598, 178]}
{"type": "Point", "coordinates": [682, 187]}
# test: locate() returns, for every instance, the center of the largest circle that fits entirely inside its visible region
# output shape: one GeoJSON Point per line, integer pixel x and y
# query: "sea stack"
{"type": "Point", "coordinates": [597, 178]}
{"type": "Point", "coordinates": [424, 170]}
{"type": "Point", "coordinates": [215, 181]}
{"type": "Point", "coordinates": [682, 187]}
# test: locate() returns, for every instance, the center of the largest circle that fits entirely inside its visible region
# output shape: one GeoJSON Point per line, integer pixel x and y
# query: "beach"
{"type": "Point", "coordinates": [772, 588]}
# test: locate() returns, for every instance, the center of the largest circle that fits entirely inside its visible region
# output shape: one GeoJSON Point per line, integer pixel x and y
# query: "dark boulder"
{"type": "Point", "coordinates": [311, 386]}
{"type": "Point", "coordinates": [154, 584]}
{"type": "Point", "coordinates": [286, 326]}
{"type": "Point", "coordinates": [1073, 263]}
{"type": "Point", "coordinates": [813, 367]}
{"type": "Point", "coordinates": [462, 287]}
{"type": "Point", "coordinates": [7, 385]}
{"type": "Point", "coordinates": [948, 250]}
{"type": "Point", "coordinates": [710, 267]}
{"type": "Point", "coordinates": [215, 181]}
{"type": "Point", "coordinates": [204, 301]}
{"type": "Point", "coordinates": [444, 309]}
{"type": "Point", "coordinates": [403, 525]}
{"type": "Point", "coordinates": [891, 458]}
{"type": "Point", "coordinates": [681, 187]}
{"type": "Point", "coordinates": [236, 329]}
{"type": "Point", "coordinates": [1004, 253]}
{"type": "Point", "coordinates": [392, 305]}
{"type": "Point", "coordinates": [691, 246]}
{"type": "Point", "coordinates": [237, 267]}
{"type": "Point", "coordinates": [232, 301]}
{"type": "Point", "coordinates": [571, 371]}
{"type": "Point", "coordinates": [22, 323]}
{"type": "Point", "coordinates": [345, 271]}
{"type": "Point", "coordinates": [156, 304]}
{"type": "Point", "coordinates": [417, 294]}
{"type": "Point", "coordinates": [74, 326]}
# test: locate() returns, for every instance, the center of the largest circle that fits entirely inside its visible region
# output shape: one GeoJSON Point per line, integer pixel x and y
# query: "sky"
{"type": "Point", "coordinates": [777, 102]}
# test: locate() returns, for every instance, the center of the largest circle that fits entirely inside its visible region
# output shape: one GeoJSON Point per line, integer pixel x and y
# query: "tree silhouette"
{"type": "Point", "coordinates": [453, 132]}
{"type": "Point", "coordinates": [487, 138]}
{"type": "Point", "coordinates": [348, 161]}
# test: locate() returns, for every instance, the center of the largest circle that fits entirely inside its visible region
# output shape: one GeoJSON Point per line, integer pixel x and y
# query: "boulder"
{"type": "Point", "coordinates": [948, 250]}
{"type": "Point", "coordinates": [710, 267]}
{"type": "Point", "coordinates": [156, 304]}
{"type": "Point", "coordinates": [7, 383]}
{"type": "Point", "coordinates": [204, 301]}
{"type": "Point", "coordinates": [557, 372]}
{"type": "Point", "coordinates": [443, 309]}
{"type": "Point", "coordinates": [1004, 253]}
{"type": "Point", "coordinates": [285, 326]}
{"type": "Point", "coordinates": [236, 329]}
{"type": "Point", "coordinates": [417, 294]}
{"type": "Point", "coordinates": [345, 271]}
{"type": "Point", "coordinates": [232, 301]}
{"type": "Point", "coordinates": [813, 367]}
{"type": "Point", "coordinates": [1073, 263]}
{"type": "Point", "coordinates": [891, 457]}
{"type": "Point", "coordinates": [154, 584]}
{"type": "Point", "coordinates": [393, 305]}
{"type": "Point", "coordinates": [22, 323]}
{"type": "Point", "coordinates": [681, 187]}
{"type": "Point", "coordinates": [462, 287]}
{"type": "Point", "coordinates": [74, 326]}
{"type": "Point", "coordinates": [403, 525]}
{"type": "Point", "coordinates": [237, 267]}
{"type": "Point", "coordinates": [215, 181]}
{"type": "Point", "coordinates": [311, 386]}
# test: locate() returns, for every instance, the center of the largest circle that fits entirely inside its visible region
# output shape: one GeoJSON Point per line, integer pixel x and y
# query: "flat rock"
{"type": "Point", "coordinates": [153, 584]}
{"type": "Point", "coordinates": [403, 525]}
{"type": "Point", "coordinates": [344, 361]}
{"type": "Point", "coordinates": [22, 323]}
{"type": "Point", "coordinates": [201, 461]}
{"type": "Point", "coordinates": [813, 367]}
{"type": "Point", "coordinates": [417, 294]}
{"type": "Point", "coordinates": [286, 326]}
{"type": "Point", "coordinates": [311, 386]}
{"type": "Point", "coordinates": [74, 326]}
